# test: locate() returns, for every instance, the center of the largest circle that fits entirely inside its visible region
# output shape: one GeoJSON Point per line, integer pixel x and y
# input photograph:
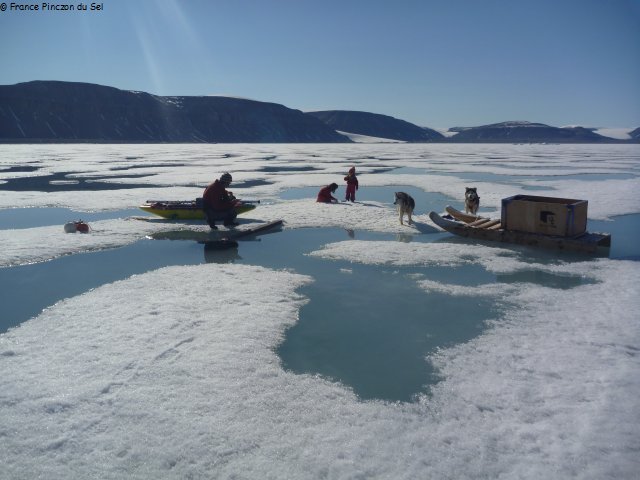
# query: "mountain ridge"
{"type": "Point", "coordinates": [376, 125]}
{"type": "Point", "coordinates": [57, 111]}
{"type": "Point", "coordinates": [70, 111]}
{"type": "Point", "coordinates": [523, 131]}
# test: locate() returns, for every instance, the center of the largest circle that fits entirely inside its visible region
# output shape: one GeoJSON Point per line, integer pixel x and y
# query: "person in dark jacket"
{"type": "Point", "coordinates": [352, 185]}
{"type": "Point", "coordinates": [219, 203]}
{"type": "Point", "coordinates": [325, 194]}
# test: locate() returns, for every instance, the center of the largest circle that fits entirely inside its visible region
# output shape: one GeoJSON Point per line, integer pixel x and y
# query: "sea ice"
{"type": "Point", "coordinates": [173, 373]}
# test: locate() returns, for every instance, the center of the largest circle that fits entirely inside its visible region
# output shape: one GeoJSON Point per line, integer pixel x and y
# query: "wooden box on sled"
{"type": "Point", "coordinates": [546, 215]}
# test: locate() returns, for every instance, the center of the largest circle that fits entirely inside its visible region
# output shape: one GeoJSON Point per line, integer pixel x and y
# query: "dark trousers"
{"type": "Point", "coordinates": [213, 216]}
{"type": "Point", "coordinates": [351, 192]}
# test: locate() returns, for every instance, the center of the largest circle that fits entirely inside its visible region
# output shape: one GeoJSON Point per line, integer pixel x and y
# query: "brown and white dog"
{"type": "Point", "coordinates": [405, 205]}
{"type": "Point", "coordinates": [471, 200]}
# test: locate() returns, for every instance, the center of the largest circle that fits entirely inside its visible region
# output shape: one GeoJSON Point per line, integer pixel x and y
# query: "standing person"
{"type": "Point", "coordinates": [219, 203]}
{"type": "Point", "coordinates": [325, 194]}
{"type": "Point", "coordinates": [352, 185]}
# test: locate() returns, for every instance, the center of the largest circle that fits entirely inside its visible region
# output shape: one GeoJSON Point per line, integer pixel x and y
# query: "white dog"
{"type": "Point", "coordinates": [405, 205]}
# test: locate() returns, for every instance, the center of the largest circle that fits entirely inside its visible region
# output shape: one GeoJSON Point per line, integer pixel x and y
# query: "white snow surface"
{"type": "Point", "coordinates": [359, 138]}
{"type": "Point", "coordinates": [446, 132]}
{"type": "Point", "coordinates": [617, 133]}
{"type": "Point", "coordinates": [154, 377]}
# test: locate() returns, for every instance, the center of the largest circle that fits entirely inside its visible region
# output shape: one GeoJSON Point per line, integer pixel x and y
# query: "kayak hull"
{"type": "Point", "coordinates": [184, 210]}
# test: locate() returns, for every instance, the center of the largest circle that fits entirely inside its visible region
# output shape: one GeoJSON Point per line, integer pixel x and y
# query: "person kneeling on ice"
{"type": "Point", "coordinates": [325, 194]}
{"type": "Point", "coordinates": [352, 185]}
{"type": "Point", "coordinates": [219, 203]}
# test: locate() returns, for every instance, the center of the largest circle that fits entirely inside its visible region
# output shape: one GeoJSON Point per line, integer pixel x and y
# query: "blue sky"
{"type": "Point", "coordinates": [435, 63]}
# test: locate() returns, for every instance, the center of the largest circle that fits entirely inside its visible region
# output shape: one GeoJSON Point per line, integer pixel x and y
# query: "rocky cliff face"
{"type": "Point", "coordinates": [79, 112]}
{"type": "Point", "coordinates": [376, 125]}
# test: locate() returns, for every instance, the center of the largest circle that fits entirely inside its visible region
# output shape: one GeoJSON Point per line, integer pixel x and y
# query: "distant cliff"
{"type": "Point", "coordinates": [45, 111]}
{"type": "Point", "coordinates": [383, 126]}
{"type": "Point", "coordinates": [376, 125]}
{"type": "Point", "coordinates": [526, 132]}
{"type": "Point", "coordinates": [49, 111]}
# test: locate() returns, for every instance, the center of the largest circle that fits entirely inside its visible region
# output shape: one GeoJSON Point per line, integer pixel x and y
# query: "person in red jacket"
{"type": "Point", "coordinates": [325, 194]}
{"type": "Point", "coordinates": [219, 203]}
{"type": "Point", "coordinates": [352, 185]}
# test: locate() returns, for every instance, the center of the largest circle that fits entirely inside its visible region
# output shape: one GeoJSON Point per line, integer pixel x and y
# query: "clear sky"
{"type": "Point", "coordinates": [435, 63]}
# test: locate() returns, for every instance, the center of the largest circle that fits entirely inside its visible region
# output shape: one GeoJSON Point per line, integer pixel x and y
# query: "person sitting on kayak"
{"type": "Point", "coordinates": [325, 194]}
{"type": "Point", "coordinates": [219, 203]}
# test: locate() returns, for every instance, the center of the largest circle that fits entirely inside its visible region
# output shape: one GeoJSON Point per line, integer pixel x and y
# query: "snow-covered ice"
{"type": "Point", "coordinates": [153, 376]}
